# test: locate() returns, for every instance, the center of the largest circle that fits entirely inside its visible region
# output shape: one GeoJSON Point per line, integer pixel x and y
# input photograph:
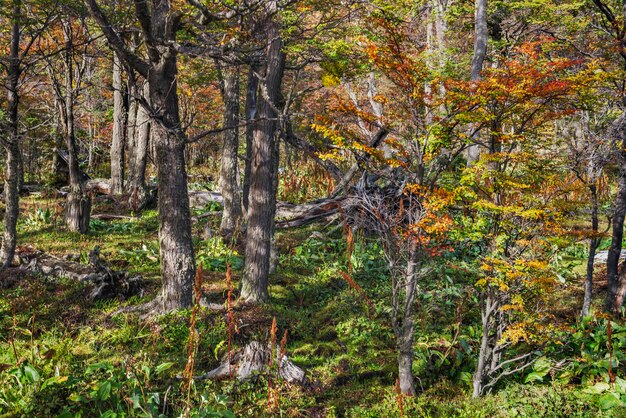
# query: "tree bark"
{"type": "Point", "coordinates": [593, 245]}
{"type": "Point", "coordinates": [481, 35]}
{"type": "Point", "coordinates": [405, 337]}
{"type": "Point", "coordinates": [11, 144]}
{"type": "Point", "coordinates": [250, 110]}
{"type": "Point", "coordinates": [131, 131]}
{"type": "Point", "coordinates": [262, 196]}
{"type": "Point", "coordinates": [78, 201]}
{"type": "Point", "coordinates": [159, 24]}
{"type": "Point", "coordinates": [139, 192]}
{"type": "Point", "coordinates": [119, 119]}
{"type": "Point", "coordinates": [232, 215]}
{"type": "Point", "coordinates": [176, 247]}
{"type": "Point", "coordinates": [619, 212]}
{"type": "Point", "coordinates": [480, 39]}
{"type": "Point", "coordinates": [478, 379]}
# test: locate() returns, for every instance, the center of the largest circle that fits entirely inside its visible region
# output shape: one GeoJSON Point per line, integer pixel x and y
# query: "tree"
{"type": "Point", "coordinates": [264, 165]}
{"type": "Point", "coordinates": [509, 211]}
{"type": "Point", "coordinates": [232, 217]}
{"type": "Point", "coordinates": [615, 28]}
{"type": "Point", "coordinates": [119, 123]}
{"type": "Point", "coordinates": [139, 193]}
{"type": "Point", "coordinates": [15, 66]}
{"type": "Point", "coordinates": [11, 142]}
{"type": "Point", "coordinates": [159, 22]}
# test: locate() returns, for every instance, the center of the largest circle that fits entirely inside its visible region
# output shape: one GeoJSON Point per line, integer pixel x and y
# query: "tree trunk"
{"type": "Point", "coordinates": [229, 186]}
{"type": "Point", "coordinates": [262, 196]}
{"type": "Point", "coordinates": [131, 131]}
{"type": "Point", "coordinates": [481, 35]}
{"type": "Point", "coordinates": [619, 211]}
{"type": "Point", "coordinates": [176, 247]}
{"type": "Point", "coordinates": [139, 193]}
{"type": "Point", "coordinates": [78, 202]}
{"type": "Point", "coordinates": [117, 142]}
{"type": "Point", "coordinates": [593, 245]}
{"type": "Point", "coordinates": [405, 338]}
{"type": "Point", "coordinates": [478, 379]}
{"type": "Point", "coordinates": [251, 109]}
{"type": "Point", "coordinates": [11, 144]}
{"type": "Point", "coordinates": [159, 25]}
{"type": "Point", "coordinates": [59, 138]}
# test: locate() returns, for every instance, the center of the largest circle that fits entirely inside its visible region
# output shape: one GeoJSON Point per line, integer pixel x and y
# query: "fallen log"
{"type": "Point", "coordinates": [25, 189]}
{"type": "Point", "coordinates": [254, 359]}
{"type": "Point", "coordinates": [200, 198]}
{"type": "Point", "coordinates": [98, 186]}
{"type": "Point", "coordinates": [288, 215]}
{"type": "Point", "coordinates": [104, 282]}
{"type": "Point", "coordinates": [109, 217]}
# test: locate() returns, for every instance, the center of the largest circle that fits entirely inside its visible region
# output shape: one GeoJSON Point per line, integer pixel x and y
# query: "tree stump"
{"type": "Point", "coordinates": [252, 360]}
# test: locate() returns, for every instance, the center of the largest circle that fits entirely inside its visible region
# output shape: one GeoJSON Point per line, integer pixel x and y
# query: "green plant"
{"type": "Point", "coordinates": [41, 217]}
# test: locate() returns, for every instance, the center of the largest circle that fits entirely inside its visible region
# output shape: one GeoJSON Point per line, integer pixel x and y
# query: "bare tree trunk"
{"type": "Point", "coordinates": [117, 143]}
{"type": "Point", "coordinates": [481, 35]}
{"type": "Point", "coordinates": [262, 196]}
{"type": "Point", "coordinates": [78, 201]}
{"type": "Point", "coordinates": [159, 25]}
{"type": "Point", "coordinates": [484, 351]}
{"type": "Point", "coordinates": [250, 110]}
{"type": "Point", "coordinates": [11, 144]}
{"type": "Point", "coordinates": [139, 193]}
{"type": "Point", "coordinates": [57, 163]}
{"type": "Point", "coordinates": [619, 212]}
{"type": "Point", "coordinates": [229, 186]}
{"type": "Point", "coordinates": [131, 131]}
{"type": "Point", "coordinates": [593, 245]}
{"type": "Point", "coordinates": [176, 247]}
{"type": "Point", "coordinates": [404, 341]}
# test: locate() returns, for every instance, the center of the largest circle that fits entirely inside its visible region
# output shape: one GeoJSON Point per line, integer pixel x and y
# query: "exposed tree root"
{"type": "Point", "coordinates": [104, 282]}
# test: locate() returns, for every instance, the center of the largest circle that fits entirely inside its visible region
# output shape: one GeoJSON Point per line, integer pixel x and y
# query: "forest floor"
{"type": "Point", "coordinates": [63, 355]}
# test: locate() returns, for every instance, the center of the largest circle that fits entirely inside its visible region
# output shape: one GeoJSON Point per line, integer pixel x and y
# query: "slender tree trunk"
{"type": "Point", "coordinates": [117, 143]}
{"type": "Point", "coordinates": [483, 353]}
{"type": "Point", "coordinates": [229, 186]}
{"type": "Point", "coordinates": [139, 193]}
{"type": "Point", "coordinates": [262, 196]}
{"type": "Point", "coordinates": [593, 245]}
{"type": "Point", "coordinates": [250, 110]}
{"type": "Point", "coordinates": [481, 36]}
{"type": "Point", "coordinates": [78, 201]}
{"type": "Point", "coordinates": [619, 212]}
{"type": "Point", "coordinates": [11, 144]}
{"type": "Point", "coordinates": [59, 137]}
{"type": "Point", "coordinates": [405, 338]}
{"type": "Point", "coordinates": [131, 132]}
{"type": "Point", "coordinates": [480, 39]}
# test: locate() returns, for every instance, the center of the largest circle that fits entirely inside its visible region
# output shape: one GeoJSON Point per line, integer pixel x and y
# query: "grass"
{"type": "Point", "coordinates": [61, 355]}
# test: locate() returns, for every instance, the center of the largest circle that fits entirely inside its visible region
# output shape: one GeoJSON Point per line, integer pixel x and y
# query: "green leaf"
{"type": "Point", "coordinates": [53, 380]}
{"type": "Point", "coordinates": [163, 367]}
{"type": "Point", "coordinates": [104, 391]}
{"type": "Point", "coordinates": [31, 373]}
{"type": "Point", "coordinates": [216, 350]}
{"type": "Point", "coordinates": [98, 366]}
{"type": "Point", "coordinates": [534, 377]}
{"type": "Point", "coordinates": [608, 401]}
{"type": "Point", "coordinates": [542, 366]}
{"type": "Point", "coordinates": [598, 388]}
